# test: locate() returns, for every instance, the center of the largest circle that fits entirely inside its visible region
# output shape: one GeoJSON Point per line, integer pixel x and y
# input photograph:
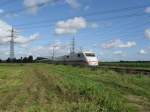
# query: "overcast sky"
{"type": "Point", "coordinates": [113, 29]}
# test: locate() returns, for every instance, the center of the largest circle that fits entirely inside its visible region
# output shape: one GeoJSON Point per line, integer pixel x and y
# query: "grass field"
{"type": "Point", "coordinates": [57, 88]}
{"type": "Point", "coordinates": [140, 65]}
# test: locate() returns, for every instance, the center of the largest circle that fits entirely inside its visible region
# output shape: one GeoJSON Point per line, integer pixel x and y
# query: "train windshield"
{"type": "Point", "coordinates": [90, 54]}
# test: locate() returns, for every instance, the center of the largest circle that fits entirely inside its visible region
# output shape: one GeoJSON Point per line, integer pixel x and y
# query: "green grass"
{"type": "Point", "coordinates": [140, 65]}
{"type": "Point", "coordinates": [57, 88]}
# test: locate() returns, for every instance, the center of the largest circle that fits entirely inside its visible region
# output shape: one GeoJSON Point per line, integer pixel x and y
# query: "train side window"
{"type": "Point", "coordinates": [67, 56]}
{"type": "Point", "coordinates": [79, 55]}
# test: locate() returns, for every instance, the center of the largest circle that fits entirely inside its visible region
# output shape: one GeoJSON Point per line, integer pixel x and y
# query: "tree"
{"type": "Point", "coordinates": [30, 59]}
{"type": "Point", "coordinates": [8, 60]}
{"type": "Point", "coordinates": [25, 60]}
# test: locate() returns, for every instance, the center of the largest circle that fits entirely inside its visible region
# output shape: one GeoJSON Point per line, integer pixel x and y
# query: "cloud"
{"type": "Point", "coordinates": [38, 50]}
{"type": "Point", "coordinates": [142, 51]}
{"type": "Point", "coordinates": [93, 25]}
{"type": "Point", "coordinates": [47, 50]}
{"type": "Point", "coordinates": [8, 15]}
{"type": "Point", "coordinates": [87, 7]}
{"type": "Point", "coordinates": [118, 44]}
{"type": "Point", "coordinates": [147, 33]}
{"type": "Point", "coordinates": [1, 11]}
{"type": "Point", "coordinates": [5, 33]}
{"type": "Point", "coordinates": [127, 44]}
{"type": "Point", "coordinates": [70, 26]}
{"type": "Point", "coordinates": [33, 5]}
{"type": "Point", "coordinates": [118, 52]}
{"type": "Point", "coordinates": [147, 10]}
{"type": "Point", "coordinates": [25, 40]}
{"type": "Point", "coordinates": [73, 3]}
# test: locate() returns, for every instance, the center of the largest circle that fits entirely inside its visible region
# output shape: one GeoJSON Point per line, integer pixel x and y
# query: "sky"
{"type": "Point", "coordinates": [113, 29]}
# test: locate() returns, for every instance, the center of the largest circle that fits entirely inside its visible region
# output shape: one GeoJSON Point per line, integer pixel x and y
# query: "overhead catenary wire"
{"type": "Point", "coordinates": [102, 12]}
{"type": "Point", "coordinates": [29, 26]}
{"type": "Point", "coordinates": [7, 2]}
{"type": "Point", "coordinates": [43, 24]}
{"type": "Point", "coordinates": [41, 4]}
{"type": "Point", "coordinates": [24, 9]}
{"type": "Point", "coordinates": [116, 17]}
{"type": "Point", "coordinates": [120, 33]}
{"type": "Point", "coordinates": [84, 15]}
{"type": "Point", "coordinates": [130, 27]}
{"type": "Point", "coordinates": [34, 25]}
{"type": "Point", "coordinates": [88, 14]}
{"type": "Point", "coordinates": [134, 31]}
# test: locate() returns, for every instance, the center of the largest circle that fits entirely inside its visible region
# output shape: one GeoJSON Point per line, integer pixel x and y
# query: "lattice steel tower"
{"type": "Point", "coordinates": [12, 52]}
{"type": "Point", "coordinates": [73, 45]}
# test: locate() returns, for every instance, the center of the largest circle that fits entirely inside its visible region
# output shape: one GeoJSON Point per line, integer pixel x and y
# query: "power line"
{"type": "Point", "coordinates": [130, 28]}
{"type": "Point", "coordinates": [122, 16]}
{"type": "Point", "coordinates": [119, 10]}
{"type": "Point", "coordinates": [100, 12]}
{"type": "Point", "coordinates": [43, 24]}
{"type": "Point", "coordinates": [37, 26]}
{"type": "Point", "coordinates": [7, 2]}
{"type": "Point", "coordinates": [120, 34]}
{"type": "Point", "coordinates": [133, 27]}
{"type": "Point", "coordinates": [23, 9]}
{"type": "Point", "coordinates": [111, 11]}
{"type": "Point", "coordinates": [86, 15]}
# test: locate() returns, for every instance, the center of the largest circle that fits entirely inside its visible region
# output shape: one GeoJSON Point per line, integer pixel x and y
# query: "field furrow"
{"type": "Point", "coordinates": [57, 88]}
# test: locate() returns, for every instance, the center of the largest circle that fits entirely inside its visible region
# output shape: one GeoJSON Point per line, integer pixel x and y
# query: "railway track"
{"type": "Point", "coordinates": [134, 71]}
{"type": "Point", "coordinates": [127, 70]}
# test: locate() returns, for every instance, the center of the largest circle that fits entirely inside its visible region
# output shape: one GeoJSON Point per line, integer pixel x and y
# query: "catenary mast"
{"type": "Point", "coordinates": [12, 52]}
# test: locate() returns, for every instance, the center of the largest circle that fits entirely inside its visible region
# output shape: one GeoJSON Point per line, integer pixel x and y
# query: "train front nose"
{"type": "Point", "coordinates": [92, 62]}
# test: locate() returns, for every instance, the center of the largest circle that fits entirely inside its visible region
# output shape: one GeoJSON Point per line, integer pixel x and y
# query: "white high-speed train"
{"type": "Point", "coordinates": [80, 58]}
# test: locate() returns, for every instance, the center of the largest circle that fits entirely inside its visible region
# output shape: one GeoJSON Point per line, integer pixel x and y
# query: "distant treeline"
{"type": "Point", "coordinates": [128, 62]}
{"type": "Point", "coordinates": [143, 64]}
{"type": "Point", "coordinates": [28, 59]}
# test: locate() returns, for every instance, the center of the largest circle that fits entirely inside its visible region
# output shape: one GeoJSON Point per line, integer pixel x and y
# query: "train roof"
{"type": "Point", "coordinates": [85, 52]}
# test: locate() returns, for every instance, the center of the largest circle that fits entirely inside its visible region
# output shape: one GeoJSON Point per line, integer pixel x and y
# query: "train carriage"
{"type": "Point", "coordinates": [80, 58]}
